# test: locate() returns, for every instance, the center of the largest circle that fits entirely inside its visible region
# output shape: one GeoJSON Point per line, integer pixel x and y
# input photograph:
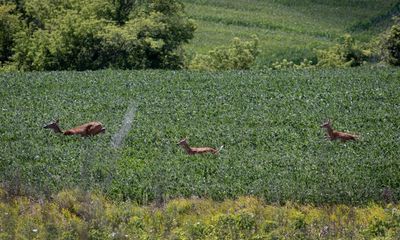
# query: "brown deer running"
{"type": "Point", "coordinates": [87, 129]}
{"type": "Point", "coordinates": [197, 150]}
{"type": "Point", "coordinates": [333, 135]}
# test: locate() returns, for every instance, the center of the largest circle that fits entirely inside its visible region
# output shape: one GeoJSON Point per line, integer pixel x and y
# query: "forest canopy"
{"type": "Point", "coordinates": [93, 34]}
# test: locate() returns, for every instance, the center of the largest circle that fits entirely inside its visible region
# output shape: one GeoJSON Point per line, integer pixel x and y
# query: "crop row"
{"type": "Point", "coordinates": [267, 121]}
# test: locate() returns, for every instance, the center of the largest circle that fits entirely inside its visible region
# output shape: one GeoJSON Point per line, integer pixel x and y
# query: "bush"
{"type": "Point", "coordinates": [391, 44]}
{"type": "Point", "coordinates": [240, 55]}
{"type": "Point", "coordinates": [346, 54]}
{"type": "Point", "coordinates": [71, 44]}
{"type": "Point", "coordinates": [80, 35]}
{"type": "Point", "coordinates": [9, 25]}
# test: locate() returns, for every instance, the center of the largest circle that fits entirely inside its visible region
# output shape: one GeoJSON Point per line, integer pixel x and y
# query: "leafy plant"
{"type": "Point", "coordinates": [9, 25]}
{"type": "Point", "coordinates": [391, 44]}
{"type": "Point", "coordinates": [285, 64]}
{"type": "Point", "coordinates": [45, 219]}
{"type": "Point", "coordinates": [240, 55]}
{"type": "Point", "coordinates": [78, 35]}
{"type": "Point", "coordinates": [346, 54]}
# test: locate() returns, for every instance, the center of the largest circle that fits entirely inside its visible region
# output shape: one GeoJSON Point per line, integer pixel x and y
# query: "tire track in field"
{"type": "Point", "coordinates": [118, 137]}
{"type": "Point", "coordinates": [110, 166]}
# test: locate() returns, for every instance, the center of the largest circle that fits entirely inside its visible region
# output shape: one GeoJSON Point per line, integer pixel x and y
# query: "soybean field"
{"type": "Point", "coordinates": [268, 121]}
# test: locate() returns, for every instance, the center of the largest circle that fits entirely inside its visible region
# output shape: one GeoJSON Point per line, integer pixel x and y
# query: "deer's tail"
{"type": "Point", "coordinates": [220, 148]}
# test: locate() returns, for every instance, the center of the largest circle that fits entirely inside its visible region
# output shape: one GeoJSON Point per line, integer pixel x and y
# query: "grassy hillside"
{"type": "Point", "coordinates": [267, 121]}
{"type": "Point", "coordinates": [287, 29]}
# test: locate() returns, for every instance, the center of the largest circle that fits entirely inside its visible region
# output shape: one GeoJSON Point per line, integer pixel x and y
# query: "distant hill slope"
{"type": "Point", "coordinates": [287, 29]}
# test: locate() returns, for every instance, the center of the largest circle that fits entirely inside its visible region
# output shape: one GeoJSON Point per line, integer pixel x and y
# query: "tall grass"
{"type": "Point", "coordinates": [79, 215]}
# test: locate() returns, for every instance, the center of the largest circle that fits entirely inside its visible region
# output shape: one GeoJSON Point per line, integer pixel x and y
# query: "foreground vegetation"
{"type": "Point", "coordinates": [267, 121]}
{"type": "Point", "coordinates": [77, 215]}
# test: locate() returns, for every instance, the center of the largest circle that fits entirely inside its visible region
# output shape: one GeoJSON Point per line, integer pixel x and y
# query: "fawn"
{"type": "Point", "coordinates": [197, 150]}
{"type": "Point", "coordinates": [333, 135]}
{"type": "Point", "coordinates": [87, 129]}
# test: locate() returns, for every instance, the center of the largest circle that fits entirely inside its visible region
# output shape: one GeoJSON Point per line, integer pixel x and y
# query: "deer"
{"type": "Point", "coordinates": [333, 135]}
{"type": "Point", "coordinates": [87, 129]}
{"type": "Point", "coordinates": [197, 150]}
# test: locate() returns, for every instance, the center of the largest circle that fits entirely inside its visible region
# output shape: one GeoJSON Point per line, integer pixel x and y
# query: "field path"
{"type": "Point", "coordinates": [118, 137]}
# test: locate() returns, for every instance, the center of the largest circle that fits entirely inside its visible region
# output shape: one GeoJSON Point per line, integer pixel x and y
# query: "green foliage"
{"type": "Point", "coordinates": [9, 25]}
{"type": "Point", "coordinates": [240, 55]}
{"type": "Point", "coordinates": [99, 34]}
{"type": "Point", "coordinates": [292, 32]}
{"type": "Point", "coordinates": [268, 122]}
{"type": "Point", "coordinates": [391, 44]}
{"type": "Point", "coordinates": [123, 9]}
{"type": "Point", "coordinates": [346, 54]}
{"type": "Point", "coordinates": [24, 218]}
{"type": "Point", "coordinates": [384, 226]}
{"type": "Point", "coordinates": [72, 44]}
{"type": "Point", "coordinates": [235, 226]}
{"type": "Point", "coordinates": [285, 64]}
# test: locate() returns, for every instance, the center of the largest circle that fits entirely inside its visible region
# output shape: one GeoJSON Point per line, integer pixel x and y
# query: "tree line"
{"type": "Point", "coordinates": [93, 34]}
{"type": "Point", "coordinates": [47, 35]}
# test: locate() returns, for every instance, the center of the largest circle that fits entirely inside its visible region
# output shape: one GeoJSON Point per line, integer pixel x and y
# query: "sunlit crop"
{"type": "Point", "coordinates": [267, 121]}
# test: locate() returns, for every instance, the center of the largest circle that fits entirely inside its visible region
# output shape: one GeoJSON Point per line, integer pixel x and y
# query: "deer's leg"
{"type": "Point", "coordinates": [328, 138]}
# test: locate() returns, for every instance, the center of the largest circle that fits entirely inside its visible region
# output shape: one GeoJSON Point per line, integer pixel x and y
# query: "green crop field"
{"type": "Point", "coordinates": [286, 29]}
{"type": "Point", "coordinates": [277, 175]}
{"type": "Point", "coordinates": [268, 122]}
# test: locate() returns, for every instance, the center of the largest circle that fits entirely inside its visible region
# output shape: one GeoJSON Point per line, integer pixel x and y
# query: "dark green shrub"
{"type": "Point", "coordinates": [79, 35]}
{"type": "Point", "coordinates": [9, 25]}
{"type": "Point", "coordinates": [391, 44]}
{"type": "Point", "coordinates": [122, 10]}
